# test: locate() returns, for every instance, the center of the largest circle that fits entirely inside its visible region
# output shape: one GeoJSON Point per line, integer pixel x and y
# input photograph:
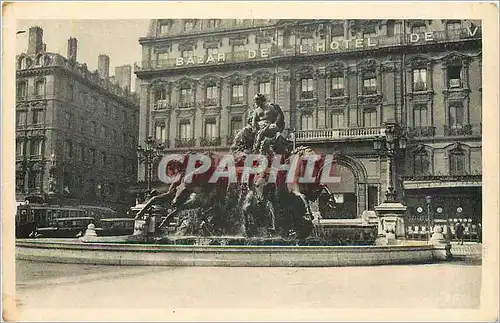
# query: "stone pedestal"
{"type": "Point", "coordinates": [391, 222]}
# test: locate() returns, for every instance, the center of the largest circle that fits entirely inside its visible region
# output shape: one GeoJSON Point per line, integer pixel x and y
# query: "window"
{"type": "Point", "coordinates": [213, 23]}
{"type": "Point", "coordinates": [337, 119]}
{"type": "Point", "coordinates": [456, 115]}
{"type": "Point", "coordinates": [162, 57]}
{"type": "Point", "coordinates": [337, 86]}
{"type": "Point", "coordinates": [421, 163]}
{"type": "Point", "coordinates": [420, 116]}
{"type": "Point", "coordinates": [306, 88]}
{"type": "Point", "coordinates": [236, 125]}
{"type": "Point", "coordinates": [40, 87]}
{"type": "Point", "coordinates": [457, 162]}
{"type": "Point", "coordinates": [187, 53]}
{"type": "Point", "coordinates": [418, 29]}
{"type": "Point", "coordinates": [237, 94]}
{"type": "Point", "coordinates": [266, 45]}
{"type": "Point", "coordinates": [211, 94]}
{"type": "Point", "coordinates": [185, 130]}
{"type": "Point", "coordinates": [160, 132]}
{"type": "Point", "coordinates": [188, 25]}
{"type": "Point", "coordinates": [186, 96]}
{"type": "Point", "coordinates": [164, 29]}
{"type": "Point", "coordinates": [213, 51]}
{"type": "Point", "coordinates": [22, 89]}
{"type": "Point", "coordinates": [104, 158]}
{"type": "Point", "coordinates": [21, 118]}
{"type": "Point", "coordinates": [420, 79]}
{"type": "Point", "coordinates": [19, 148]}
{"type": "Point", "coordinates": [238, 48]}
{"type": "Point", "coordinates": [307, 122]}
{"type": "Point", "coordinates": [211, 129]}
{"type": "Point", "coordinates": [369, 118]}
{"type": "Point", "coordinates": [160, 94]}
{"type": "Point", "coordinates": [370, 85]}
{"type": "Point", "coordinates": [37, 116]}
{"type": "Point", "coordinates": [454, 76]}
{"type": "Point", "coordinates": [455, 26]}
{"type": "Point", "coordinates": [68, 148]}
{"type": "Point", "coordinates": [265, 88]}
{"type": "Point", "coordinates": [338, 33]}
{"type": "Point", "coordinates": [370, 31]}
{"type": "Point", "coordinates": [36, 147]}
{"type": "Point", "coordinates": [33, 179]}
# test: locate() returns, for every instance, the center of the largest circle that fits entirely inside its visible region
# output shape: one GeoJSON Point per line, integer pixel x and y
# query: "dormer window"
{"type": "Point", "coordinates": [188, 25]}
{"type": "Point", "coordinates": [213, 51]}
{"type": "Point", "coordinates": [418, 29]}
{"type": "Point", "coordinates": [213, 23]}
{"type": "Point", "coordinates": [164, 29]}
{"type": "Point", "coordinates": [187, 53]}
{"type": "Point", "coordinates": [370, 31]}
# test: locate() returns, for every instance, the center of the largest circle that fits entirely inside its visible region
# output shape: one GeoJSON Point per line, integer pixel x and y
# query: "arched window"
{"type": "Point", "coordinates": [421, 162]}
{"type": "Point", "coordinates": [457, 162]}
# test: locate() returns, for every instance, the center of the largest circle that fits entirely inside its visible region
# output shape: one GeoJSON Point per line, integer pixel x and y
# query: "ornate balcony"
{"type": "Point", "coordinates": [184, 142]}
{"type": "Point", "coordinates": [210, 141]}
{"type": "Point", "coordinates": [462, 130]}
{"type": "Point", "coordinates": [338, 134]}
{"type": "Point", "coordinates": [422, 132]}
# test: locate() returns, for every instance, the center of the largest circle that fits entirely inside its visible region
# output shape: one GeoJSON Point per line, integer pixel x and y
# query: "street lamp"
{"type": "Point", "coordinates": [428, 201]}
{"type": "Point", "coordinates": [390, 145]}
{"type": "Point", "coordinates": [149, 155]}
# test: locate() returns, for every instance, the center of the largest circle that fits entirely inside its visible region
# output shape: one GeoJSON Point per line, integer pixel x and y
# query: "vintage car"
{"type": "Point", "coordinates": [65, 228]}
{"type": "Point", "coordinates": [116, 227]}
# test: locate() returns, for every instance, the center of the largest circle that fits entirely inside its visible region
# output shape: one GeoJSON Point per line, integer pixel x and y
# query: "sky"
{"type": "Point", "coordinates": [119, 39]}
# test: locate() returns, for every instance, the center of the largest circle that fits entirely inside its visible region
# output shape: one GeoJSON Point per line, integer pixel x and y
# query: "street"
{"type": "Point", "coordinates": [456, 284]}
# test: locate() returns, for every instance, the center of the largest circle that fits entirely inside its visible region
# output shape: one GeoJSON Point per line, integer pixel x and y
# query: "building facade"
{"type": "Point", "coordinates": [76, 132]}
{"type": "Point", "coordinates": [347, 87]}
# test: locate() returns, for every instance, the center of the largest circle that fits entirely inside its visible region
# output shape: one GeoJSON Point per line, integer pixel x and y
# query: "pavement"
{"type": "Point", "coordinates": [54, 292]}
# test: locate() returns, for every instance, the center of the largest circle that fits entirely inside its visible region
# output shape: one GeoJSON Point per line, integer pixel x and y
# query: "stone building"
{"type": "Point", "coordinates": [348, 87]}
{"type": "Point", "coordinates": [76, 132]}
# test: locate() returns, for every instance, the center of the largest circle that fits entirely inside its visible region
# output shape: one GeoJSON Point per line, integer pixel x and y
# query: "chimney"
{"type": "Point", "coordinates": [35, 43]}
{"type": "Point", "coordinates": [103, 66]}
{"type": "Point", "coordinates": [123, 76]}
{"type": "Point", "coordinates": [72, 48]}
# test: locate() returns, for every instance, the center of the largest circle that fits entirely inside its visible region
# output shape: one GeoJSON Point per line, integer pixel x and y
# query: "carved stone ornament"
{"type": "Point", "coordinates": [370, 99]}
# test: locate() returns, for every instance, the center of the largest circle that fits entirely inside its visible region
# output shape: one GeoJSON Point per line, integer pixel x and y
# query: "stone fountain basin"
{"type": "Point", "coordinates": [76, 251]}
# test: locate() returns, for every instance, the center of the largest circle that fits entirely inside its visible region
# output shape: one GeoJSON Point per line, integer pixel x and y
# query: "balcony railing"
{"type": "Point", "coordinates": [210, 141]}
{"type": "Point", "coordinates": [351, 45]}
{"type": "Point", "coordinates": [422, 132]}
{"type": "Point", "coordinates": [463, 130]}
{"type": "Point", "coordinates": [336, 134]}
{"type": "Point", "coordinates": [184, 142]}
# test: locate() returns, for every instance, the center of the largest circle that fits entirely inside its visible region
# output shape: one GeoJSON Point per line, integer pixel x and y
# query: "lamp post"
{"type": "Point", "coordinates": [390, 146]}
{"type": "Point", "coordinates": [428, 201]}
{"type": "Point", "coordinates": [148, 155]}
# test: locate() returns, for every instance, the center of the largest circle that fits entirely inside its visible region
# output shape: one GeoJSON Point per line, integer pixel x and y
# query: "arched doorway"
{"type": "Point", "coordinates": [344, 193]}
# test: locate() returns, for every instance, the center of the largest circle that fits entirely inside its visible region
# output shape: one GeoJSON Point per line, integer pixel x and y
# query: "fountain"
{"type": "Point", "coordinates": [261, 219]}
